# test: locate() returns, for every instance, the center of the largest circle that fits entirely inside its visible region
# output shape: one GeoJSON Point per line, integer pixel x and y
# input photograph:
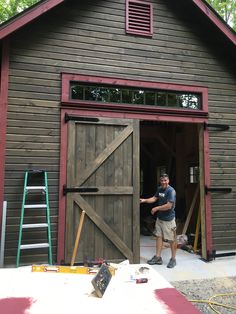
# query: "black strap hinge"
{"type": "Point", "coordinates": [220, 127]}
{"type": "Point", "coordinates": [79, 119]}
{"type": "Point", "coordinates": [226, 254]}
{"type": "Point", "coordinates": [79, 190]}
{"type": "Point", "coordinates": [217, 189]}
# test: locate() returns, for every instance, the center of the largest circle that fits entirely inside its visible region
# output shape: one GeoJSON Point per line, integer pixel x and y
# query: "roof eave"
{"type": "Point", "coordinates": [215, 19]}
{"type": "Point", "coordinates": [27, 16]}
{"type": "Point", "coordinates": [37, 10]}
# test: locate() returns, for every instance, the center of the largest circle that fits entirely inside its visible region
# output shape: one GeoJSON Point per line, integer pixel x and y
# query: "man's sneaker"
{"type": "Point", "coordinates": [172, 263]}
{"type": "Point", "coordinates": [155, 260]}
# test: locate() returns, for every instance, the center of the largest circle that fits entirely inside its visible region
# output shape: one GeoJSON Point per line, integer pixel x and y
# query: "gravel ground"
{"type": "Point", "coordinates": [205, 288]}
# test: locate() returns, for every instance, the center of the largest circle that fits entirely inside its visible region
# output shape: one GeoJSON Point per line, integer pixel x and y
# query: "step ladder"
{"type": "Point", "coordinates": [32, 191]}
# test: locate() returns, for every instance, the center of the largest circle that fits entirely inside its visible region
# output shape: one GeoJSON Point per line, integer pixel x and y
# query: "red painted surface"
{"type": "Point", "coordinates": [208, 220]}
{"type": "Point", "coordinates": [131, 29]}
{"type": "Point", "coordinates": [175, 301]}
{"type": "Point", "coordinates": [27, 16]}
{"type": "Point", "coordinates": [15, 305]}
{"type": "Point", "coordinates": [213, 17]}
{"type": "Point", "coordinates": [3, 119]}
{"type": "Point", "coordinates": [62, 198]}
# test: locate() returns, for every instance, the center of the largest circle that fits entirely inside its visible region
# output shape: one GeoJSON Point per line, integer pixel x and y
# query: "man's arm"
{"type": "Point", "coordinates": [149, 200]}
{"type": "Point", "coordinates": [164, 207]}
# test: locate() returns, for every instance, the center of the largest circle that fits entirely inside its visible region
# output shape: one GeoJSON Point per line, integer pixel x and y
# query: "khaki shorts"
{"type": "Point", "coordinates": [165, 229]}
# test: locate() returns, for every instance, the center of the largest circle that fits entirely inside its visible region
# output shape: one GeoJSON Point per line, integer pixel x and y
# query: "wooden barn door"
{"type": "Point", "coordinates": [103, 180]}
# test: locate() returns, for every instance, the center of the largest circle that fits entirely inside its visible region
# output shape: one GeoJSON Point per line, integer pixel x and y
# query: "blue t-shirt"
{"type": "Point", "coordinates": [164, 196]}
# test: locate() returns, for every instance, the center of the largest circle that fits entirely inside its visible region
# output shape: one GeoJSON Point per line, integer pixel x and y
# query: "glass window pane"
{"type": "Point", "coordinates": [77, 92]}
{"type": "Point", "coordinates": [121, 94]}
{"type": "Point", "coordinates": [103, 94]}
{"type": "Point", "coordinates": [190, 101]}
{"type": "Point", "coordinates": [127, 96]}
{"type": "Point", "coordinates": [161, 99]}
{"type": "Point", "coordinates": [172, 100]}
{"type": "Point", "coordinates": [115, 95]}
{"type": "Point", "coordinates": [138, 97]}
{"type": "Point", "coordinates": [193, 174]}
{"type": "Point", "coordinates": [90, 93]}
{"type": "Point", "coordinates": [150, 98]}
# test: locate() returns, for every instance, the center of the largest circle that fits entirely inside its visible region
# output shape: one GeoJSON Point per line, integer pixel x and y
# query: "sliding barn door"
{"type": "Point", "coordinates": [103, 180]}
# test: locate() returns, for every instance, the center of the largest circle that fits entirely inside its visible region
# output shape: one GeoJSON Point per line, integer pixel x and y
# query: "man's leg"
{"type": "Point", "coordinates": [159, 243]}
{"type": "Point", "coordinates": [156, 259]}
{"type": "Point", "coordinates": [173, 247]}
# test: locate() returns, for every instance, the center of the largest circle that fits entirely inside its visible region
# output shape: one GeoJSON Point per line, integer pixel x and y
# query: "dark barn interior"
{"type": "Point", "coordinates": [172, 148]}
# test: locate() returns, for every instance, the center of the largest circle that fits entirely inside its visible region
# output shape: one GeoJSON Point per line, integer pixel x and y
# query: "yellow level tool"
{"type": "Point", "coordinates": [68, 269]}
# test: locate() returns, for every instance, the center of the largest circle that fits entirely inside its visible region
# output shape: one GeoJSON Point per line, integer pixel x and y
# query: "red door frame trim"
{"type": "Point", "coordinates": [111, 114]}
{"type": "Point", "coordinates": [207, 180]}
{"type": "Point", "coordinates": [62, 198]}
{"type": "Point", "coordinates": [4, 81]}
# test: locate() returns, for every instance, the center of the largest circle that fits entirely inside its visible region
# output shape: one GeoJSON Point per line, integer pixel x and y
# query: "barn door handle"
{"type": "Point", "coordinates": [78, 190]}
{"type": "Point", "coordinates": [217, 189]}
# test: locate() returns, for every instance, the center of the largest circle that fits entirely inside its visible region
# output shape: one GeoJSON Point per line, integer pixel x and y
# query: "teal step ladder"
{"type": "Point", "coordinates": [32, 191]}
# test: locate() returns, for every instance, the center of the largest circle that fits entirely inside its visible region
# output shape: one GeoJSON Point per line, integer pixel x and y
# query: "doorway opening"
{"type": "Point", "coordinates": [172, 148]}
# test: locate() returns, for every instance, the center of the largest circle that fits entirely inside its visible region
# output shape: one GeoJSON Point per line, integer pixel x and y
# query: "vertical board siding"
{"type": "Point", "coordinates": [89, 38]}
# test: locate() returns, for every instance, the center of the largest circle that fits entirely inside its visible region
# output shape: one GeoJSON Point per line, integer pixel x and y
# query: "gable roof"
{"type": "Point", "coordinates": [44, 6]}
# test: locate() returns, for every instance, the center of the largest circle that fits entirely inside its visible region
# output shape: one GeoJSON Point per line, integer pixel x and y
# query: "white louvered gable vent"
{"type": "Point", "coordinates": [139, 18]}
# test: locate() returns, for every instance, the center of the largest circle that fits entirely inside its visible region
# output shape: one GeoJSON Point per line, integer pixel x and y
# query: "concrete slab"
{"type": "Point", "coordinates": [189, 265]}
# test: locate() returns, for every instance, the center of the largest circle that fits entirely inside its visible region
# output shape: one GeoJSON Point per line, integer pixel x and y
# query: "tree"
{"type": "Point", "coordinates": [9, 8]}
{"type": "Point", "coordinates": [226, 9]}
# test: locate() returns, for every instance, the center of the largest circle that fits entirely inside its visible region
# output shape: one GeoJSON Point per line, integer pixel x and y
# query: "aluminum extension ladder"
{"type": "Point", "coordinates": [32, 191]}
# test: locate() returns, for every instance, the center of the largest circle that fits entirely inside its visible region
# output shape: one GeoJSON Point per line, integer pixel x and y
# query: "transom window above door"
{"type": "Point", "coordinates": [117, 94]}
{"type": "Point", "coordinates": [135, 96]}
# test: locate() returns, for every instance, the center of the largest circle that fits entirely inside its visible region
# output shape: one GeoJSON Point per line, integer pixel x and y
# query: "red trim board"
{"type": "Point", "coordinates": [62, 198]}
{"type": "Point", "coordinates": [207, 179]}
{"type": "Point", "coordinates": [3, 114]}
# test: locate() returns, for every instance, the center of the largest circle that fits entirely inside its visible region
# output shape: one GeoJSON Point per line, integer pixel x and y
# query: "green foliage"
{"type": "Point", "coordinates": [9, 8]}
{"type": "Point", "coordinates": [226, 9]}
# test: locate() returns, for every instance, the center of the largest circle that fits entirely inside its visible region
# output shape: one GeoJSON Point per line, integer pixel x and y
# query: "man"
{"type": "Point", "coordinates": [165, 227]}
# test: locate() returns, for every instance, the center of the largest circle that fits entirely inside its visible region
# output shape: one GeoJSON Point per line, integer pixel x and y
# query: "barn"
{"type": "Point", "coordinates": [104, 96]}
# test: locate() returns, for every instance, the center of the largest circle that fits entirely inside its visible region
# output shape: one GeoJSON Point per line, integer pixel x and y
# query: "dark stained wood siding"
{"type": "Point", "coordinates": [88, 37]}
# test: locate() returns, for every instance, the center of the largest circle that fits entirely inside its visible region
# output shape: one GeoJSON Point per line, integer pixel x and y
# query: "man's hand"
{"type": "Point", "coordinates": [142, 200]}
{"type": "Point", "coordinates": [154, 210]}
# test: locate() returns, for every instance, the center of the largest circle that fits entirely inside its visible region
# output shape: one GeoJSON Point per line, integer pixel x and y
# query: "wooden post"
{"type": "Point", "coordinates": [77, 238]}
{"type": "Point", "coordinates": [190, 210]}
{"type": "Point", "coordinates": [197, 231]}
